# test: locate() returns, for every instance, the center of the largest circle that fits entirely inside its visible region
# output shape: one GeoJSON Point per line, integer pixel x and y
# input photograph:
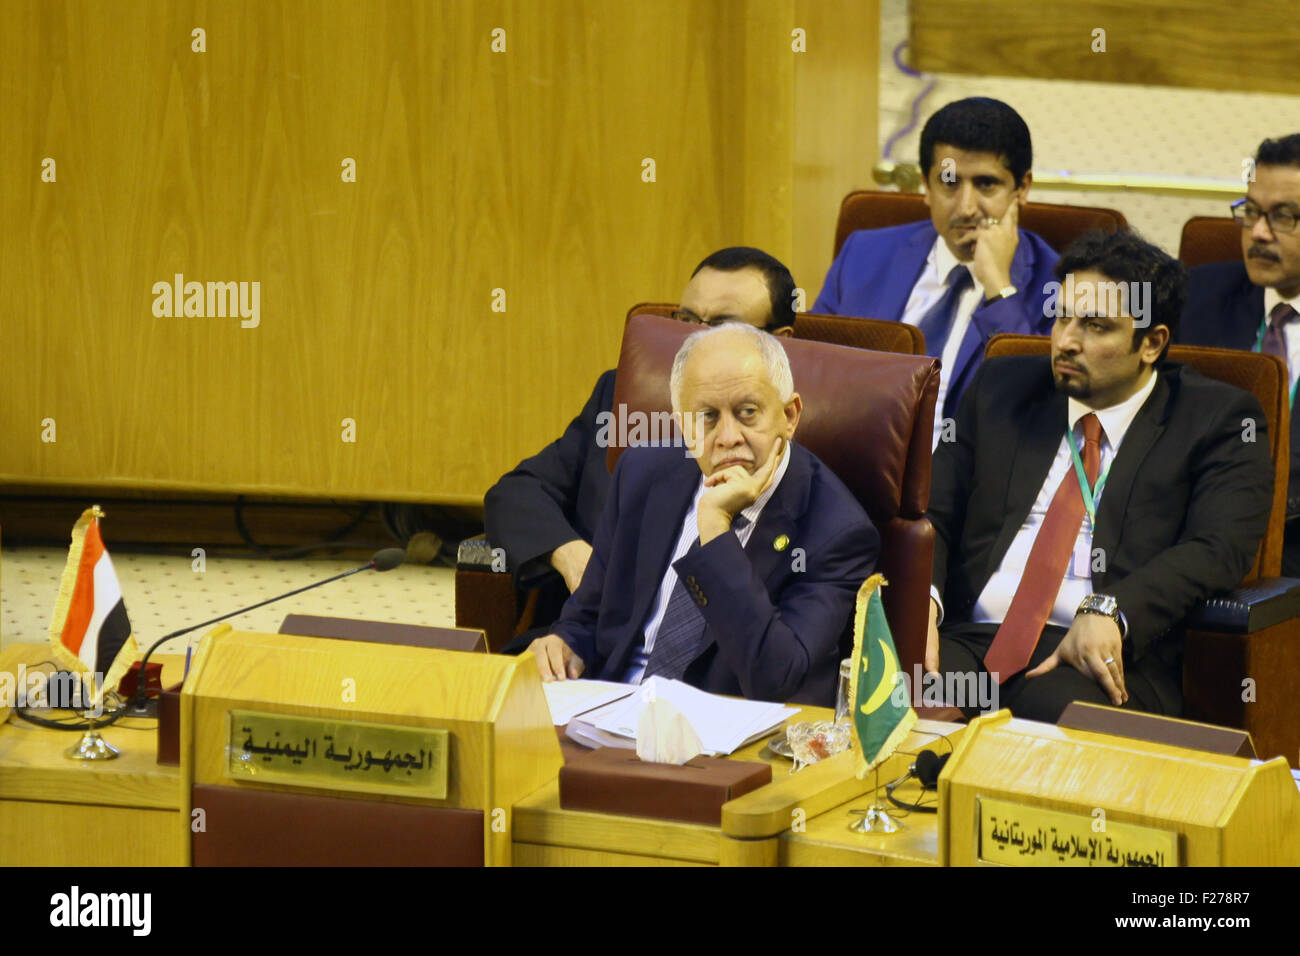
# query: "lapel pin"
{"type": "Point", "coordinates": [781, 543]}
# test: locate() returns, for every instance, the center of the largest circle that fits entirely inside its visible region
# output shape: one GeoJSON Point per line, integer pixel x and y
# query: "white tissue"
{"type": "Point", "coordinates": [663, 734]}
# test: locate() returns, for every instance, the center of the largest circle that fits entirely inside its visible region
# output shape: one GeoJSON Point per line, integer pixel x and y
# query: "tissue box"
{"type": "Point", "coordinates": [615, 780]}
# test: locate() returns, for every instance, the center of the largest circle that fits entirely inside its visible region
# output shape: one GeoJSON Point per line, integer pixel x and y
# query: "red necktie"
{"type": "Point", "coordinates": [1032, 604]}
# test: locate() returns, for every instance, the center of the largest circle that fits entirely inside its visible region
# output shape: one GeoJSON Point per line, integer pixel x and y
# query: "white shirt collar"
{"type": "Point", "coordinates": [943, 261]}
{"type": "Point", "coordinates": [1116, 419]}
{"type": "Point", "coordinates": [1272, 297]}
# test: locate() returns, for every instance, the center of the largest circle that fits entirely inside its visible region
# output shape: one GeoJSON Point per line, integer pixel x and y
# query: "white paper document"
{"type": "Point", "coordinates": [724, 724]}
{"type": "Point", "coordinates": [569, 698]}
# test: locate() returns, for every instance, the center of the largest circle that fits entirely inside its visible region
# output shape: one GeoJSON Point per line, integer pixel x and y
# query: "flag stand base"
{"type": "Point", "coordinates": [149, 708]}
{"type": "Point", "coordinates": [876, 818]}
{"type": "Point", "coordinates": [92, 746]}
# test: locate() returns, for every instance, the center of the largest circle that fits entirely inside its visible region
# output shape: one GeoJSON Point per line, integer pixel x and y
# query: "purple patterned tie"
{"type": "Point", "coordinates": [1274, 339]}
{"type": "Point", "coordinates": [681, 631]}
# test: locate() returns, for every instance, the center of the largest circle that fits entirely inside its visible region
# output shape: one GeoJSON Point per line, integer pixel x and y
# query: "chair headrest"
{"type": "Point", "coordinates": [867, 415]}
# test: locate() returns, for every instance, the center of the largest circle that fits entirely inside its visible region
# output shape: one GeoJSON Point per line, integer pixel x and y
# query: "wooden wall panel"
{"type": "Point", "coordinates": [837, 89]}
{"type": "Point", "coordinates": [1244, 45]}
{"type": "Point", "coordinates": [476, 171]}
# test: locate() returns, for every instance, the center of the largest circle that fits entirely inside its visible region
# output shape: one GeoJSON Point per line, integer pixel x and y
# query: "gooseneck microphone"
{"type": "Point", "coordinates": [384, 560]}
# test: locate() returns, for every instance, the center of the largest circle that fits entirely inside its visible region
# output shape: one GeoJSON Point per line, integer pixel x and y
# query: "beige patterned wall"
{"type": "Point", "coordinates": [1105, 128]}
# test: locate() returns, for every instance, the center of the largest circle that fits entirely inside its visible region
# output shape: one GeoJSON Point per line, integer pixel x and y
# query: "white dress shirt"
{"type": "Point", "coordinates": [929, 289]}
{"type": "Point", "coordinates": [1290, 331]}
{"type": "Point", "coordinates": [690, 533]}
{"type": "Point", "coordinates": [995, 599]}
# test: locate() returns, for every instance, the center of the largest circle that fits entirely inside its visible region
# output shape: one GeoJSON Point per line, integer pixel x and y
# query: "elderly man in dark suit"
{"type": "Point", "coordinates": [1091, 499]}
{"type": "Point", "coordinates": [734, 568]}
{"type": "Point", "coordinates": [544, 512]}
{"type": "Point", "coordinates": [1254, 303]}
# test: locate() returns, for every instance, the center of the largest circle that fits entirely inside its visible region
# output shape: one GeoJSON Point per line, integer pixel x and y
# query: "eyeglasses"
{"type": "Point", "coordinates": [1245, 214]}
{"type": "Point", "coordinates": [685, 315]}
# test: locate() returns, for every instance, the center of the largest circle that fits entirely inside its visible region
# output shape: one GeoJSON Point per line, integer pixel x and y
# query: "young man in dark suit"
{"type": "Point", "coordinates": [544, 511]}
{"type": "Point", "coordinates": [1029, 588]}
{"type": "Point", "coordinates": [734, 568]}
{"type": "Point", "coordinates": [1254, 303]}
{"type": "Point", "coordinates": [967, 273]}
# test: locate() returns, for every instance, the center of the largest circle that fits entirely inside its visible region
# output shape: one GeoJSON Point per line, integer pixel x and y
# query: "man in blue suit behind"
{"type": "Point", "coordinates": [969, 272]}
{"type": "Point", "coordinates": [740, 580]}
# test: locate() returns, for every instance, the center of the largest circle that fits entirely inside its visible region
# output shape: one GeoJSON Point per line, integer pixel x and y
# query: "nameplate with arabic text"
{"type": "Point", "coordinates": [338, 754]}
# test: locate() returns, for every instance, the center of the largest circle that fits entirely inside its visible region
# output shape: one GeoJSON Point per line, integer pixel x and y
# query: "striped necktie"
{"type": "Point", "coordinates": [1275, 338]}
{"type": "Point", "coordinates": [681, 631]}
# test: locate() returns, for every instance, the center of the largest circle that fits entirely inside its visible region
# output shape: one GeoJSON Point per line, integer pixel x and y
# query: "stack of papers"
{"type": "Point", "coordinates": [569, 698]}
{"type": "Point", "coordinates": [724, 724]}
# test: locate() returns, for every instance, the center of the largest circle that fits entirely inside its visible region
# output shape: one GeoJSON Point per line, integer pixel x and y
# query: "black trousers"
{"type": "Point", "coordinates": [962, 647]}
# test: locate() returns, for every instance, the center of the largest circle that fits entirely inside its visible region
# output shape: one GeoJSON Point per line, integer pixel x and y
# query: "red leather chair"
{"type": "Point", "coordinates": [1216, 662]}
{"type": "Point", "coordinates": [489, 601]}
{"type": "Point", "coordinates": [882, 335]}
{"type": "Point", "coordinates": [1057, 225]}
{"type": "Point", "coordinates": [1209, 239]}
{"type": "Point", "coordinates": [867, 415]}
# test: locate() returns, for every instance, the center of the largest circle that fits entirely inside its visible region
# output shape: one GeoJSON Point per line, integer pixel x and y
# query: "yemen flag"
{"type": "Point", "coordinates": [882, 707]}
{"type": "Point", "coordinates": [90, 633]}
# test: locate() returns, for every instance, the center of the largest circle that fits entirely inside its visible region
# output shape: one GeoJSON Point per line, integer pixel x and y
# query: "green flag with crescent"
{"type": "Point", "coordinates": [882, 706]}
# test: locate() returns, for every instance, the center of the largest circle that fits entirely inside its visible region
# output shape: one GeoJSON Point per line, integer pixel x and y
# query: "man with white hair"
{"type": "Point", "coordinates": [740, 580]}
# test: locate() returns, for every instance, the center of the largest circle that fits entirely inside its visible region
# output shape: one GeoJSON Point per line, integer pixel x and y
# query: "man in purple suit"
{"type": "Point", "coordinates": [967, 273]}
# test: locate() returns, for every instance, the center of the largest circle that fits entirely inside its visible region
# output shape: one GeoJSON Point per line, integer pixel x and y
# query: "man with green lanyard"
{"type": "Point", "coordinates": [1091, 499]}
{"type": "Point", "coordinates": [1252, 303]}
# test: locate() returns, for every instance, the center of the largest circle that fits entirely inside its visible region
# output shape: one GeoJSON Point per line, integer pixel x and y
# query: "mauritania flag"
{"type": "Point", "coordinates": [90, 631]}
{"type": "Point", "coordinates": [882, 708]}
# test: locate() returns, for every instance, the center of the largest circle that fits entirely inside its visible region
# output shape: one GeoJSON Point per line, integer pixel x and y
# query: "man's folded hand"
{"type": "Point", "coordinates": [555, 659]}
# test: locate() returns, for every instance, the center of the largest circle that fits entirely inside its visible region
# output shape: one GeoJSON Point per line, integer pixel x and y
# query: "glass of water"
{"type": "Point", "coordinates": [844, 706]}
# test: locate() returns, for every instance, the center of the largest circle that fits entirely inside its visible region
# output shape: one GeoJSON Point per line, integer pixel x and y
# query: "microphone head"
{"type": "Point", "coordinates": [387, 559]}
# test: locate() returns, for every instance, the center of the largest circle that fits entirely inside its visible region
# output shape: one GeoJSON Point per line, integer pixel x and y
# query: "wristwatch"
{"type": "Point", "coordinates": [1005, 292]}
{"type": "Point", "coordinates": [1102, 604]}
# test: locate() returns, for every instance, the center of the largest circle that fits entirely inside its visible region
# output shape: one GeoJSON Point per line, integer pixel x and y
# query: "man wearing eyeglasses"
{"type": "Point", "coordinates": [1254, 303]}
{"type": "Point", "coordinates": [544, 512]}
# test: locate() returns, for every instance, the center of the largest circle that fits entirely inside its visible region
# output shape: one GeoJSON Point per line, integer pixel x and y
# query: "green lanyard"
{"type": "Point", "coordinates": [1089, 494]}
{"type": "Point", "coordinates": [1259, 347]}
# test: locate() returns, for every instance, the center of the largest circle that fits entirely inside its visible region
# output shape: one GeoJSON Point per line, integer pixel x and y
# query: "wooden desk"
{"type": "Point", "coordinates": [828, 841]}
{"type": "Point", "coordinates": [60, 812]}
{"type": "Point", "coordinates": [755, 828]}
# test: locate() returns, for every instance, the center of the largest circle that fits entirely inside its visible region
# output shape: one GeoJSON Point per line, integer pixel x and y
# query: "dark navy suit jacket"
{"type": "Point", "coordinates": [1225, 309]}
{"type": "Point", "coordinates": [777, 620]}
{"type": "Point", "coordinates": [553, 497]}
{"type": "Point", "coordinates": [874, 273]}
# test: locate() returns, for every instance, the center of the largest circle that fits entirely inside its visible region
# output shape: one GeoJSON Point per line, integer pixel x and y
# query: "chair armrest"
{"type": "Point", "coordinates": [1261, 603]}
{"type": "Point", "coordinates": [474, 554]}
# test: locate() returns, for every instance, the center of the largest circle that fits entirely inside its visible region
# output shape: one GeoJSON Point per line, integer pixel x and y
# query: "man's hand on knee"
{"type": "Point", "coordinates": [1092, 646]}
